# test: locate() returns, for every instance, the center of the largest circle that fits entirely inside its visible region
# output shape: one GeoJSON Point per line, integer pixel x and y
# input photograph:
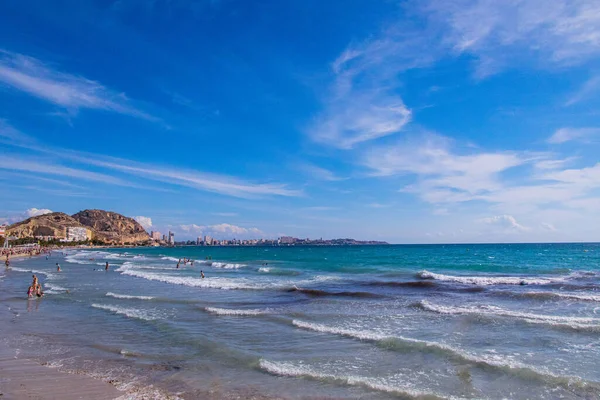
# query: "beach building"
{"type": "Point", "coordinates": [2, 230]}
{"type": "Point", "coordinates": [155, 235]}
{"type": "Point", "coordinates": [287, 240]}
{"type": "Point", "coordinates": [171, 238]}
{"type": "Point", "coordinates": [78, 234]}
{"type": "Point", "coordinates": [208, 241]}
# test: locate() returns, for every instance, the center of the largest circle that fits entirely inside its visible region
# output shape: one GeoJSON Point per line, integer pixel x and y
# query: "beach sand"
{"type": "Point", "coordinates": [26, 379]}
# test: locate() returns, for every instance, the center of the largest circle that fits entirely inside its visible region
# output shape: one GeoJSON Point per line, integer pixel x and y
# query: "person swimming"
{"type": "Point", "coordinates": [202, 274]}
{"type": "Point", "coordinates": [30, 291]}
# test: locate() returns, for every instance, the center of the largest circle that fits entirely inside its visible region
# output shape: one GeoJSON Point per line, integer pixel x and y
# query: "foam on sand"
{"type": "Point", "coordinates": [229, 311]}
{"type": "Point", "coordinates": [490, 280]}
{"type": "Point", "coordinates": [584, 323]}
{"type": "Point", "coordinates": [378, 384]}
{"type": "Point", "coordinates": [128, 297]}
{"type": "Point", "coordinates": [129, 312]}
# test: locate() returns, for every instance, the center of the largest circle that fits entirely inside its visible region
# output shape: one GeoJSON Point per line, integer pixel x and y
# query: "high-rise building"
{"type": "Point", "coordinates": [171, 238]}
{"type": "Point", "coordinates": [164, 238]}
{"type": "Point", "coordinates": [198, 240]}
{"type": "Point", "coordinates": [208, 241]}
{"type": "Point", "coordinates": [287, 240]}
{"type": "Point", "coordinates": [155, 235]}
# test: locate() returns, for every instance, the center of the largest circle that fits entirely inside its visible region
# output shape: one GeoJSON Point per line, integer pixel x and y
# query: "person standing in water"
{"type": "Point", "coordinates": [106, 266]}
{"type": "Point", "coordinates": [202, 274]}
{"type": "Point", "coordinates": [57, 267]}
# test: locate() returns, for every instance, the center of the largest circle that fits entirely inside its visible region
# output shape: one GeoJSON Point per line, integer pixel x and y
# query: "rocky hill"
{"type": "Point", "coordinates": [53, 224]}
{"type": "Point", "coordinates": [111, 227]}
{"type": "Point", "coordinates": [106, 226]}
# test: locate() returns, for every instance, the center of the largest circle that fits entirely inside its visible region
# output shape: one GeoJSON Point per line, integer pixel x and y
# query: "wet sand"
{"type": "Point", "coordinates": [26, 379]}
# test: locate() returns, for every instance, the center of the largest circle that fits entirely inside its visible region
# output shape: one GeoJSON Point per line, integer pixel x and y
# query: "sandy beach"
{"type": "Point", "coordinates": [26, 379]}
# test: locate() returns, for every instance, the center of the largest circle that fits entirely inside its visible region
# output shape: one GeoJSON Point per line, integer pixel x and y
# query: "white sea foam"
{"type": "Point", "coordinates": [170, 259]}
{"type": "Point", "coordinates": [51, 288]}
{"type": "Point", "coordinates": [214, 283]}
{"type": "Point", "coordinates": [264, 269]}
{"type": "Point", "coordinates": [128, 297]}
{"type": "Point", "coordinates": [129, 312]}
{"type": "Point", "coordinates": [490, 280]}
{"type": "Point", "coordinates": [227, 265]}
{"type": "Point", "coordinates": [33, 271]}
{"type": "Point", "coordinates": [486, 310]}
{"type": "Point", "coordinates": [379, 384]}
{"type": "Point", "coordinates": [229, 311]}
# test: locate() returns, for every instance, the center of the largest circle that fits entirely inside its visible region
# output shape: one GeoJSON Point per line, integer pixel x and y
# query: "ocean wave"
{"type": "Point", "coordinates": [50, 288]}
{"type": "Point", "coordinates": [229, 311]}
{"type": "Point", "coordinates": [213, 283]}
{"type": "Point", "coordinates": [583, 323]}
{"type": "Point", "coordinates": [48, 275]}
{"type": "Point", "coordinates": [484, 280]}
{"type": "Point", "coordinates": [552, 295]}
{"type": "Point", "coordinates": [378, 384]}
{"type": "Point", "coordinates": [494, 361]}
{"type": "Point", "coordinates": [170, 259]}
{"type": "Point", "coordinates": [128, 297]}
{"type": "Point", "coordinates": [319, 293]}
{"type": "Point", "coordinates": [226, 265]}
{"type": "Point", "coordinates": [129, 312]}
{"type": "Point", "coordinates": [264, 269]}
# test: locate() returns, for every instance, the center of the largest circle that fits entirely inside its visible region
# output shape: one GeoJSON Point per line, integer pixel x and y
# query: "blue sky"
{"type": "Point", "coordinates": [407, 121]}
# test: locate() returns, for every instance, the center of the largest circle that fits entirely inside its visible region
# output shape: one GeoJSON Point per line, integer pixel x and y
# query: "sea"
{"type": "Point", "coordinates": [481, 321]}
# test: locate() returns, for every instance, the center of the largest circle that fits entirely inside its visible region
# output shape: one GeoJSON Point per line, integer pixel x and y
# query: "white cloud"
{"type": "Point", "coordinates": [225, 214]}
{"type": "Point", "coordinates": [34, 212]}
{"type": "Point", "coordinates": [71, 92]}
{"type": "Point", "coordinates": [222, 184]}
{"type": "Point", "coordinates": [319, 173]}
{"type": "Point", "coordinates": [445, 176]}
{"type": "Point", "coordinates": [505, 221]}
{"type": "Point", "coordinates": [590, 88]}
{"type": "Point", "coordinates": [563, 135]}
{"type": "Point", "coordinates": [561, 32]}
{"type": "Point", "coordinates": [49, 168]}
{"type": "Point", "coordinates": [145, 222]}
{"type": "Point", "coordinates": [549, 227]}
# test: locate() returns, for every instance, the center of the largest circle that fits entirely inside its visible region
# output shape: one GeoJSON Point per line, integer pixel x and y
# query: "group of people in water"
{"type": "Point", "coordinates": [189, 260]}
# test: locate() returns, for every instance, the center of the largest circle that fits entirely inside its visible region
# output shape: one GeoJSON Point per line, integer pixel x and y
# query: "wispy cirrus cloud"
{"type": "Point", "coordinates": [563, 135]}
{"type": "Point", "coordinates": [560, 32]}
{"type": "Point", "coordinates": [505, 222]}
{"type": "Point", "coordinates": [71, 92]}
{"type": "Point", "coordinates": [589, 88]}
{"type": "Point", "coordinates": [319, 173]}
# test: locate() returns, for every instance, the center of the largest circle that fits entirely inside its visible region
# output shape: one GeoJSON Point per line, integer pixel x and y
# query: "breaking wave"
{"type": "Point", "coordinates": [400, 342]}
{"type": "Point", "coordinates": [129, 312]}
{"type": "Point", "coordinates": [229, 311]}
{"type": "Point", "coordinates": [129, 297]}
{"type": "Point", "coordinates": [490, 280]}
{"type": "Point", "coordinates": [378, 384]}
{"type": "Point", "coordinates": [320, 293]}
{"type": "Point", "coordinates": [583, 323]}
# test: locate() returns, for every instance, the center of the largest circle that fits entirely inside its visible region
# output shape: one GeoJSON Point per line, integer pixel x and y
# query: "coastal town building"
{"type": "Point", "coordinates": [78, 234]}
{"type": "Point", "coordinates": [155, 235]}
{"type": "Point", "coordinates": [287, 240]}
{"type": "Point", "coordinates": [208, 241]}
{"type": "Point", "coordinates": [2, 230]}
{"type": "Point", "coordinates": [171, 239]}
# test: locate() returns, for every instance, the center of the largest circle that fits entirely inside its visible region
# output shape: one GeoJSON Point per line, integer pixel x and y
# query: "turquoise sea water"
{"type": "Point", "coordinates": [500, 321]}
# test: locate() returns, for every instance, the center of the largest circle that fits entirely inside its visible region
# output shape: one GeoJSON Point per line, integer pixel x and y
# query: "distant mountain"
{"type": "Point", "coordinates": [111, 227]}
{"type": "Point", "coordinates": [53, 224]}
{"type": "Point", "coordinates": [105, 226]}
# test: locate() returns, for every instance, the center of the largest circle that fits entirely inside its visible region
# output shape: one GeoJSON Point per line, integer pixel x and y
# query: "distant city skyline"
{"type": "Point", "coordinates": [429, 121]}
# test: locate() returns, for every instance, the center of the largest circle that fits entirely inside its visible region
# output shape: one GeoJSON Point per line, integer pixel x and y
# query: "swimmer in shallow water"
{"type": "Point", "coordinates": [202, 274]}
{"type": "Point", "coordinates": [57, 267]}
